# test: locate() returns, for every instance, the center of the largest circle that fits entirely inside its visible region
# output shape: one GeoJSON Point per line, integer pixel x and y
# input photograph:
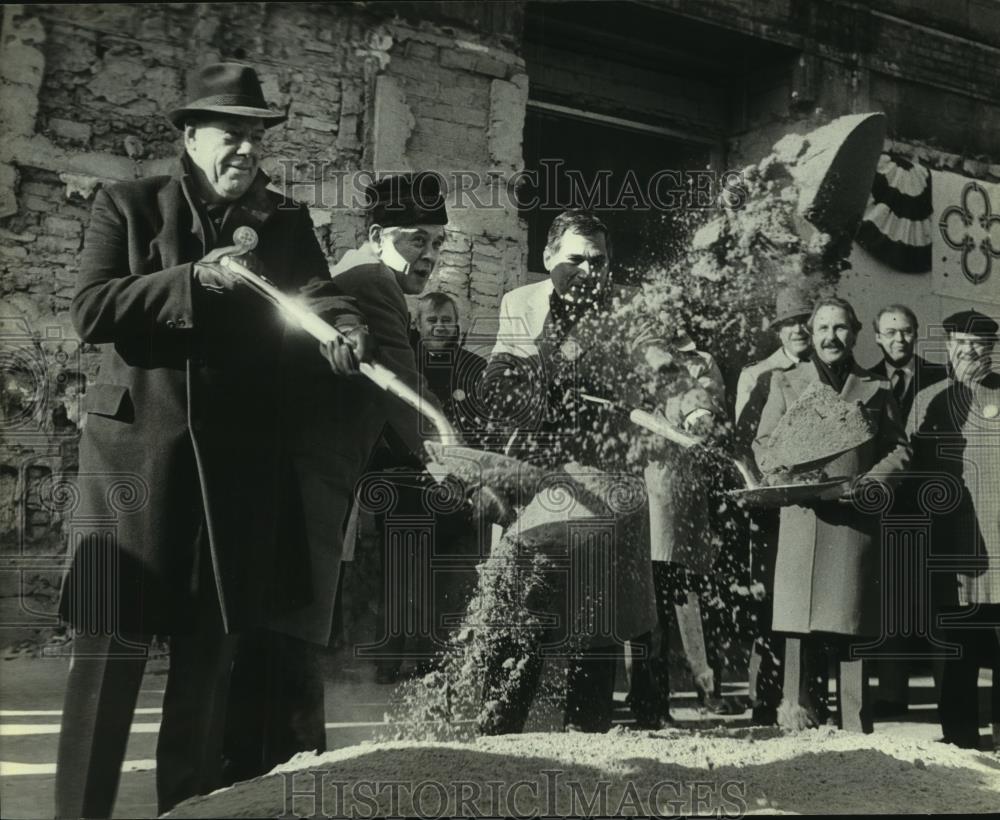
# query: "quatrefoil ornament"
{"type": "Point", "coordinates": [974, 230]}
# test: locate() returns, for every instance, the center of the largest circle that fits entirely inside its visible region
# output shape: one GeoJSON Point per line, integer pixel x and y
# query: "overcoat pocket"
{"type": "Point", "coordinates": [110, 400]}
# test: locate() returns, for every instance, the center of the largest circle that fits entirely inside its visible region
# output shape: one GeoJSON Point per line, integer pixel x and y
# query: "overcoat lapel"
{"type": "Point", "coordinates": [859, 385]}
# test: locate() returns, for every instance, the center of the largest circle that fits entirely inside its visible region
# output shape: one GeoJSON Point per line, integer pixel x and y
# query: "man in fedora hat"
{"type": "Point", "coordinates": [792, 309]}
{"type": "Point", "coordinates": [178, 529]}
{"type": "Point", "coordinates": [955, 431]}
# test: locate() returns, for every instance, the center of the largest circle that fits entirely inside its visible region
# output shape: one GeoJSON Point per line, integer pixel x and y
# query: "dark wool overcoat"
{"type": "Point", "coordinates": [182, 472]}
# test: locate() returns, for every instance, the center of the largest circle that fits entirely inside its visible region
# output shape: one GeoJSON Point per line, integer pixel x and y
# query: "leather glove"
{"type": "Point", "coordinates": [347, 352]}
{"type": "Point", "coordinates": [359, 338]}
{"type": "Point", "coordinates": [212, 276]}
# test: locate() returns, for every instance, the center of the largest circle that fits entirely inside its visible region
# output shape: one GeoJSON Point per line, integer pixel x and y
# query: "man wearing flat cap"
{"type": "Point", "coordinates": [178, 531]}
{"type": "Point", "coordinates": [277, 705]}
{"type": "Point", "coordinates": [406, 229]}
{"type": "Point", "coordinates": [955, 430]}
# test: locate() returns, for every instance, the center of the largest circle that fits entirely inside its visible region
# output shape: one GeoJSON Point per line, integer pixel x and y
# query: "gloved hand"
{"type": "Point", "coordinates": [212, 276]}
{"type": "Point", "coordinates": [359, 338]}
{"type": "Point", "coordinates": [347, 352]}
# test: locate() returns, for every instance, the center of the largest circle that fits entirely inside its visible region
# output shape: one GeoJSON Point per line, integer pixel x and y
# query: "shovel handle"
{"type": "Point", "coordinates": [324, 332]}
{"type": "Point", "coordinates": [661, 427]}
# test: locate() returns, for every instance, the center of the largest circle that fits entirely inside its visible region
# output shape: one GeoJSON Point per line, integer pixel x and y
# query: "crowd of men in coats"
{"type": "Point", "coordinates": [245, 445]}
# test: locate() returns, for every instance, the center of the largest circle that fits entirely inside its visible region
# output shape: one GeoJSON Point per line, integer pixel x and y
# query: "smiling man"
{"type": "Point", "coordinates": [896, 332]}
{"type": "Point", "coordinates": [187, 413]}
{"type": "Point", "coordinates": [558, 340]}
{"type": "Point", "coordinates": [955, 430]}
{"type": "Point", "coordinates": [792, 309]}
{"type": "Point", "coordinates": [826, 591]}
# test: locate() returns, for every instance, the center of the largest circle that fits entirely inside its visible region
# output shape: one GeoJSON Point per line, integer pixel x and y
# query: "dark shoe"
{"type": "Point", "coordinates": [886, 709]}
{"type": "Point", "coordinates": [591, 729]}
{"type": "Point", "coordinates": [717, 706]}
{"type": "Point", "coordinates": [764, 716]}
{"type": "Point", "coordinates": [652, 724]}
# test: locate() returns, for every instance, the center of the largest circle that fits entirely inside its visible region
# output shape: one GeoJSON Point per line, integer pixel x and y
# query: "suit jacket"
{"type": "Point", "coordinates": [925, 374]}
{"type": "Point", "coordinates": [522, 342]}
{"type": "Point", "coordinates": [526, 361]}
{"type": "Point", "coordinates": [183, 442]}
{"type": "Point", "coordinates": [523, 312]}
{"type": "Point", "coordinates": [826, 577]}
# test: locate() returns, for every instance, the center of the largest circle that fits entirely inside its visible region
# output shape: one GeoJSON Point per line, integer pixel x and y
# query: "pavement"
{"type": "Point", "coordinates": [33, 689]}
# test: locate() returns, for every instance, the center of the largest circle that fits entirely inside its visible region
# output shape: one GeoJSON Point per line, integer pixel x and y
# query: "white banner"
{"type": "Point", "coordinates": [966, 238]}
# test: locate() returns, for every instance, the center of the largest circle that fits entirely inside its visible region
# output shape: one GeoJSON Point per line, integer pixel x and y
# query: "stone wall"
{"type": "Point", "coordinates": [83, 93]}
{"type": "Point", "coordinates": [387, 86]}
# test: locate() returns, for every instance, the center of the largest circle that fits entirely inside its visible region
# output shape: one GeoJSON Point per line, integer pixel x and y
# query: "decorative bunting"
{"type": "Point", "coordinates": [897, 228]}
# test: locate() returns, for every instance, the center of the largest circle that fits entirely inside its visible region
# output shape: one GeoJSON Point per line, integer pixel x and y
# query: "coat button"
{"type": "Point", "coordinates": [171, 323]}
{"type": "Point", "coordinates": [180, 323]}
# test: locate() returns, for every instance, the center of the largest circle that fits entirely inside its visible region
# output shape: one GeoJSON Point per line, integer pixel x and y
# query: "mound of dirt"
{"type": "Point", "coordinates": [818, 424]}
{"type": "Point", "coordinates": [722, 772]}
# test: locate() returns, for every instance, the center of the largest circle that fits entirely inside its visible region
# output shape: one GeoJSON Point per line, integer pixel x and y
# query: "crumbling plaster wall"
{"type": "Point", "coordinates": [83, 91]}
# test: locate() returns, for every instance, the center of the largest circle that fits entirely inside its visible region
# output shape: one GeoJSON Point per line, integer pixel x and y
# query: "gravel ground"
{"type": "Point", "coordinates": [723, 772]}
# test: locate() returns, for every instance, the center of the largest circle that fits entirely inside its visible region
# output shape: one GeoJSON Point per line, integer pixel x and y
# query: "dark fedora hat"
{"type": "Point", "coordinates": [791, 303]}
{"type": "Point", "coordinates": [231, 89]}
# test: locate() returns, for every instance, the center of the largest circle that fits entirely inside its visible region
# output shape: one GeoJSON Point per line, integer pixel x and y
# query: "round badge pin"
{"type": "Point", "coordinates": [991, 411]}
{"type": "Point", "coordinates": [570, 350]}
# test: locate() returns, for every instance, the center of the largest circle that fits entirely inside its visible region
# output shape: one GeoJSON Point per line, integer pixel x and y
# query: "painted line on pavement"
{"type": "Point", "coordinates": [9, 768]}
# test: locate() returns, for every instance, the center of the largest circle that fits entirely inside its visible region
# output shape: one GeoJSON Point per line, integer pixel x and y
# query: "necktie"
{"type": "Point", "coordinates": [898, 385]}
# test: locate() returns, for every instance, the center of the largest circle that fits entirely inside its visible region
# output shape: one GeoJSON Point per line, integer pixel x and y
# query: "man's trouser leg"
{"type": "Point", "coordinates": [189, 746]}
{"type": "Point", "coordinates": [649, 677]}
{"type": "Point", "coordinates": [513, 661]}
{"type": "Point", "coordinates": [893, 675]}
{"type": "Point", "coordinates": [643, 696]}
{"type": "Point", "coordinates": [513, 671]}
{"type": "Point", "coordinates": [276, 704]}
{"type": "Point", "coordinates": [765, 675]}
{"type": "Point", "coordinates": [959, 704]}
{"type": "Point", "coordinates": [101, 693]}
{"type": "Point", "coordinates": [853, 695]}
{"type": "Point", "coordinates": [590, 689]}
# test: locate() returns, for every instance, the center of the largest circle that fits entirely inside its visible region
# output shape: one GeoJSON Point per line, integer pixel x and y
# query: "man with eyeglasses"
{"type": "Point", "coordinates": [955, 431]}
{"type": "Point", "coordinates": [896, 331]}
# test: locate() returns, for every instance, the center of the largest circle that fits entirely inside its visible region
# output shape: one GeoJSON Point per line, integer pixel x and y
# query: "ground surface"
{"type": "Point", "coordinates": [816, 771]}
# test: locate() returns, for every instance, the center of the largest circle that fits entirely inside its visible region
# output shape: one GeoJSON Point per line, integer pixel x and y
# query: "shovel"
{"type": "Point", "coordinates": [246, 239]}
{"type": "Point", "coordinates": [660, 426]}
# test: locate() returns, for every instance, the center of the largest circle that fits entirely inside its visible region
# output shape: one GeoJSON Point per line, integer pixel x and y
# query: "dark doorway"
{"type": "Point", "coordinates": [634, 180]}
